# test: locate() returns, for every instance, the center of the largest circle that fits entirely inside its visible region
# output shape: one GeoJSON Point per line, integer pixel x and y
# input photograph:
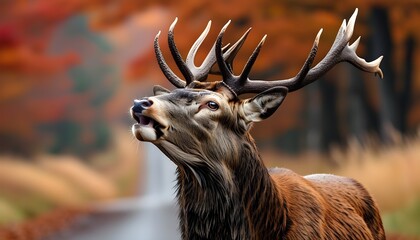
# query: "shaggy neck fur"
{"type": "Point", "coordinates": [239, 202]}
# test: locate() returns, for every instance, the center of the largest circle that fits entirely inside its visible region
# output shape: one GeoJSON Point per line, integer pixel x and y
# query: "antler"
{"type": "Point", "coordinates": [339, 52]}
{"type": "Point", "coordinates": [188, 69]}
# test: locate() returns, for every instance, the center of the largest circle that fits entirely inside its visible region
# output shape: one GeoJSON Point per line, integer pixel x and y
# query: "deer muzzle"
{"type": "Point", "coordinates": [147, 127]}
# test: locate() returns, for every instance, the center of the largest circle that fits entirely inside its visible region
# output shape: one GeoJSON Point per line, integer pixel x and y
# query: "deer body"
{"type": "Point", "coordinates": [276, 205]}
{"type": "Point", "coordinates": [223, 188]}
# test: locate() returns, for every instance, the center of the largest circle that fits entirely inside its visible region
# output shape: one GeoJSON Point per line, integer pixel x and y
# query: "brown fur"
{"type": "Point", "coordinates": [328, 207]}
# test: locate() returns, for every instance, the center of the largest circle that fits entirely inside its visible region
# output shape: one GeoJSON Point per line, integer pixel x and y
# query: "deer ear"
{"type": "Point", "coordinates": [159, 90]}
{"type": "Point", "coordinates": [264, 104]}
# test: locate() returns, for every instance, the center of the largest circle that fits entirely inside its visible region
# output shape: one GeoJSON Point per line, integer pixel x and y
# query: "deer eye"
{"type": "Point", "coordinates": [212, 105]}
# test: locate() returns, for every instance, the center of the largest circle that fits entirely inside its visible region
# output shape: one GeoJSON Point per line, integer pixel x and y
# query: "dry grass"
{"type": "Point", "coordinates": [32, 187]}
{"type": "Point", "coordinates": [91, 183]}
{"type": "Point", "coordinates": [20, 179]}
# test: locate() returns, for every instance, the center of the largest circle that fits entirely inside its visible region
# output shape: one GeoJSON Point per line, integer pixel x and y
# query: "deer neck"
{"type": "Point", "coordinates": [230, 203]}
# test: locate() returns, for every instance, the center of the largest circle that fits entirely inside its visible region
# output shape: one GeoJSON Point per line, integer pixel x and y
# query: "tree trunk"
{"type": "Point", "coordinates": [313, 118]}
{"type": "Point", "coordinates": [405, 96]}
{"type": "Point", "coordinates": [381, 44]}
{"type": "Point", "coordinates": [358, 114]}
{"type": "Point", "coordinates": [329, 115]}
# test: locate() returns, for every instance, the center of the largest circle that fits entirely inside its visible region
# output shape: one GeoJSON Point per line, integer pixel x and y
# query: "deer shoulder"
{"type": "Point", "coordinates": [323, 201]}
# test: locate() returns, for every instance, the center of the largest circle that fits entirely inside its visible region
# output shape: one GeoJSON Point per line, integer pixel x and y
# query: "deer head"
{"type": "Point", "coordinates": [203, 127]}
{"type": "Point", "coordinates": [201, 122]}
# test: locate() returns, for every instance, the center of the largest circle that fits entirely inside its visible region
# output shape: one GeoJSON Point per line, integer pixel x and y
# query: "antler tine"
{"type": "Point", "coordinates": [229, 52]}
{"type": "Point", "coordinates": [298, 79]}
{"type": "Point", "coordinates": [194, 48]}
{"type": "Point", "coordinates": [349, 55]}
{"type": "Point", "coordinates": [248, 66]}
{"type": "Point", "coordinates": [233, 51]}
{"type": "Point", "coordinates": [200, 73]}
{"type": "Point", "coordinates": [189, 77]}
{"type": "Point", "coordinates": [169, 74]}
{"type": "Point", "coordinates": [241, 83]}
{"type": "Point", "coordinates": [223, 67]}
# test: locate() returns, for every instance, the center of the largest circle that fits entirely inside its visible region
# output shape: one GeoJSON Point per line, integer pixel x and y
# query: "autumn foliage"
{"type": "Point", "coordinates": [68, 48]}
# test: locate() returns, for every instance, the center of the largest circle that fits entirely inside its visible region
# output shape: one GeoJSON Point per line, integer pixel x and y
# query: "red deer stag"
{"type": "Point", "coordinates": [224, 191]}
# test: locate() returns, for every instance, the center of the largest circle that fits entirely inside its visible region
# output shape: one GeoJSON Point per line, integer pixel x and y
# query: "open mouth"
{"type": "Point", "coordinates": [146, 128]}
{"type": "Point", "coordinates": [146, 121]}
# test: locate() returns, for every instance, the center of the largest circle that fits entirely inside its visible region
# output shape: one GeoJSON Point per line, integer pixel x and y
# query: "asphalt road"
{"type": "Point", "coordinates": [152, 216]}
{"type": "Point", "coordinates": [145, 223]}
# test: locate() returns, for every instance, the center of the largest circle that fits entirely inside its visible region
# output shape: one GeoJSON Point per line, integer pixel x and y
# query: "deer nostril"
{"type": "Point", "coordinates": [140, 105]}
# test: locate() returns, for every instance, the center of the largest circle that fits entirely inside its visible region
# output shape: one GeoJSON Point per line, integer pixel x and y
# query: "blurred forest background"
{"type": "Point", "coordinates": [69, 71]}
